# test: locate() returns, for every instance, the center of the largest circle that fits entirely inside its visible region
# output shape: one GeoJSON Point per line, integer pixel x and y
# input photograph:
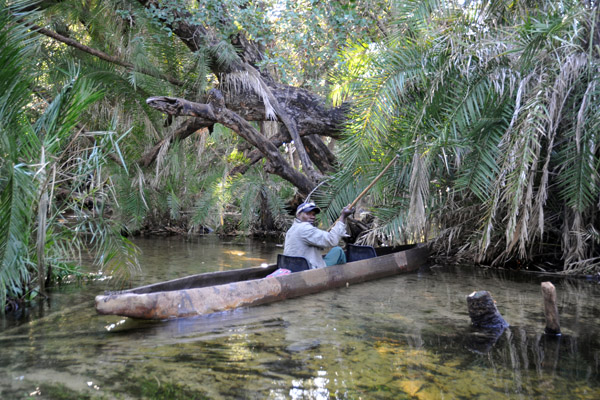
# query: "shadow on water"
{"type": "Point", "coordinates": [404, 337]}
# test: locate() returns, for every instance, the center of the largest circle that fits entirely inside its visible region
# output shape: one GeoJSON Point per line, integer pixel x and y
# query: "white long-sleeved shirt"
{"type": "Point", "coordinates": [305, 240]}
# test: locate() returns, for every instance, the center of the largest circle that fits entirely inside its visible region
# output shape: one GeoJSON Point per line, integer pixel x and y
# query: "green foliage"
{"type": "Point", "coordinates": [188, 186]}
{"type": "Point", "coordinates": [192, 188]}
{"type": "Point", "coordinates": [264, 198]}
{"type": "Point", "coordinates": [17, 179]}
{"type": "Point", "coordinates": [309, 35]}
{"type": "Point", "coordinates": [246, 198]}
{"type": "Point", "coordinates": [46, 156]}
{"type": "Point", "coordinates": [15, 208]}
{"type": "Point", "coordinates": [301, 39]}
{"type": "Point", "coordinates": [489, 106]}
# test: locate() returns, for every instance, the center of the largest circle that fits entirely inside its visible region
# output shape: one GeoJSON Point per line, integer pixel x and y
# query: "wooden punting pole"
{"type": "Point", "coordinates": [366, 190]}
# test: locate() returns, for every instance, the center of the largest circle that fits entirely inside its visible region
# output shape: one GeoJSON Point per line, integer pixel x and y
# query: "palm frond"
{"type": "Point", "coordinates": [16, 221]}
{"type": "Point", "coordinates": [207, 210]}
{"type": "Point", "coordinates": [224, 54]}
{"type": "Point", "coordinates": [17, 143]}
{"type": "Point", "coordinates": [488, 105]}
{"type": "Point", "coordinates": [578, 173]}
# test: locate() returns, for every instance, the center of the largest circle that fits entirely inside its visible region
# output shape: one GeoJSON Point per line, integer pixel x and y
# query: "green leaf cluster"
{"type": "Point", "coordinates": [50, 173]}
{"type": "Point", "coordinates": [491, 109]}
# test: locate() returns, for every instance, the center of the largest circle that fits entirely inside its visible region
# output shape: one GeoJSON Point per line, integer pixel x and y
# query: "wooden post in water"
{"type": "Point", "coordinates": [550, 309]}
{"type": "Point", "coordinates": [483, 312]}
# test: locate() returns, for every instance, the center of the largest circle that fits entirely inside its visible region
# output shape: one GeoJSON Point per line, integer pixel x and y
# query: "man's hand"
{"type": "Point", "coordinates": [346, 212]}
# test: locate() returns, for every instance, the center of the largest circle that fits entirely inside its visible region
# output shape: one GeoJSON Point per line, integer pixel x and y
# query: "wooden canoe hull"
{"type": "Point", "coordinates": [165, 301]}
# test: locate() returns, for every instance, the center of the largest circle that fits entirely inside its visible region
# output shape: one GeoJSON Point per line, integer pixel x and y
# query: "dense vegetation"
{"type": "Point", "coordinates": [488, 105]}
{"type": "Point", "coordinates": [492, 108]}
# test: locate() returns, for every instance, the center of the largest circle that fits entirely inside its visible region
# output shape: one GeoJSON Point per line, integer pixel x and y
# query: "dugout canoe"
{"type": "Point", "coordinates": [221, 291]}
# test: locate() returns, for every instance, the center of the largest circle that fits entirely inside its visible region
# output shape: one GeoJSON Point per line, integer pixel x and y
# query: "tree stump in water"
{"type": "Point", "coordinates": [483, 312]}
{"type": "Point", "coordinates": [550, 309]}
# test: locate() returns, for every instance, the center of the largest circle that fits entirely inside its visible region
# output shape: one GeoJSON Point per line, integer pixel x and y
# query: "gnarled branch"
{"type": "Point", "coordinates": [217, 112]}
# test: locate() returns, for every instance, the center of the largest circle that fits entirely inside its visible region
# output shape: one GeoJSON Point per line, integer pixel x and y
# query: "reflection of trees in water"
{"type": "Point", "coordinates": [436, 346]}
{"type": "Point", "coordinates": [468, 363]}
{"type": "Point", "coordinates": [565, 356]}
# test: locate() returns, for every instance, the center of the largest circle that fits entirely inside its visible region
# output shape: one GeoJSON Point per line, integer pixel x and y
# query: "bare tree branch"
{"type": "Point", "coordinates": [216, 111]}
{"type": "Point", "coordinates": [101, 55]}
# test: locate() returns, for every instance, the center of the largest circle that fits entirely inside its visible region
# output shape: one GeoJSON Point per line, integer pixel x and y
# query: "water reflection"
{"type": "Point", "coordinates": [405, 337]}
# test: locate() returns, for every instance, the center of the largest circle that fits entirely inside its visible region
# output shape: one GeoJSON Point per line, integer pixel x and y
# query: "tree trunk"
{"type": "Point", "coordinates": [483, 312]}
{"type": "Point", "coordinates": [550, 309]}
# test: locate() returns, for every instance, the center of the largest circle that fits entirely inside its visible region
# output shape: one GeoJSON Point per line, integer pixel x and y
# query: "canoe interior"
{"type": "Point", "coordinates": [224, 277]}
{"type": "Point", "coordinates": [205, 280]}
{"type": "Point", "coordinates": [384, 251]}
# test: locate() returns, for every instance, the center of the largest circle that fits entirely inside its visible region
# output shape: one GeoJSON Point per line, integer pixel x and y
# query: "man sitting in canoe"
{"type": "Point", "coordinates": [304, 239]}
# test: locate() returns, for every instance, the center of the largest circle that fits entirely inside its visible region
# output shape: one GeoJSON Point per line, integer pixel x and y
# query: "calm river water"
{"type": "Point", "coordinates": [407, 337]}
